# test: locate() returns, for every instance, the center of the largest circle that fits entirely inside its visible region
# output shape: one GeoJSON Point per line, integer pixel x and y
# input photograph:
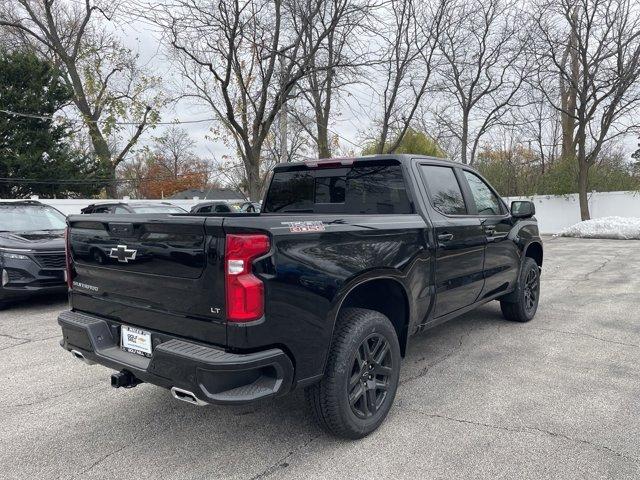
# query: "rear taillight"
{"type": "Point", "coordinates": [245, 291]}
{"type": "Point", "coordinates": [68, 260]}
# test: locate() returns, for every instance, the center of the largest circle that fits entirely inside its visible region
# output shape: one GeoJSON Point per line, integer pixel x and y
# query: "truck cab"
{"type": "Point", "coordinates": [321, 290]}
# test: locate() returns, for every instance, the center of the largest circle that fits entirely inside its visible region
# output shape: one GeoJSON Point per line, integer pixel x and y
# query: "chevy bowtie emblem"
{"type": "Point", "coordinates": [123, 254]}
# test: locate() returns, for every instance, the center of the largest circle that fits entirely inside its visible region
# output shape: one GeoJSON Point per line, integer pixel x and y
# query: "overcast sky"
{"type": "Point", "coordinates": [144, 39]}
{"type": "Point", "coordinates": [353, 119]}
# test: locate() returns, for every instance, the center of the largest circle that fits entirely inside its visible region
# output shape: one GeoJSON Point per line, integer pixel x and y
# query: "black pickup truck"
{"type": "Point", "coordinates": [322, 290]}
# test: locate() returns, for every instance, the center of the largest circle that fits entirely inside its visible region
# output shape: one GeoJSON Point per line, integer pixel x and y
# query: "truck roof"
{"type": "Point", "coordinates": [134, 203]}
{"type": "Point", "coordinates": [401, 157]}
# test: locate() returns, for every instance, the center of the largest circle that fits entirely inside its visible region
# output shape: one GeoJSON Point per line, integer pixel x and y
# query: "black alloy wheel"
{"type": "Point", "coordinates": [531, 290]}
{"type": "Point", "coordinates": [361, 376]}
{"type": "Point", "coordinates": [522, 304]}
{"type": "Point", "coordinates": [369, 381]}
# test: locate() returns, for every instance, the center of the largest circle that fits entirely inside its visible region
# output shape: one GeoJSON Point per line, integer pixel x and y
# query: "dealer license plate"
{"type": "Point", "coordinates": [135, 340]}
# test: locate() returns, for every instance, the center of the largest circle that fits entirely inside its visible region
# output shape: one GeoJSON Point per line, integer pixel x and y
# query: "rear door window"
{"type": "Point", "coordinates": [365, 188]}
{"type": "Point", "coordinates": [444, 189]}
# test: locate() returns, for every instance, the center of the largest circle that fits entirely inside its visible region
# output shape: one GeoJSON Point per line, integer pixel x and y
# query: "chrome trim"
{"type": "Point", "coordinates": [80, 356]}
{"type": "Point", "coordinates": [16, 250]}
{"type": "Point", "coordinates": [187, 396]}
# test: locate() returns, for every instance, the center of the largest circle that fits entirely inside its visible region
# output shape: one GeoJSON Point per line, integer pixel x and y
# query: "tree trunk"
{"type": "Point", "coordinates": [103, 153]}
{"type": "Point", "coordinates": [323, 139]}
{"type": "Point", "coordinates": [383, 138]}
{"type": "Point", "coordinates": [569, 94]}
{"type": "Point", "coordinates": [583, 186]}
{"type": "Point", "coordinates": [464, 139]}
{"type": "Point", "coordinates": [252, 167]}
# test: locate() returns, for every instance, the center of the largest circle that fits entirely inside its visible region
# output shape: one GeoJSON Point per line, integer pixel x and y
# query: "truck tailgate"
{"type": "Point", "coordinates": [157, 272]}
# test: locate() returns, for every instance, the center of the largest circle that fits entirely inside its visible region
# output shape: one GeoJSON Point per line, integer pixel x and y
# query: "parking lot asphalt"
{"type": "Point", "coordinates": [480, 397]}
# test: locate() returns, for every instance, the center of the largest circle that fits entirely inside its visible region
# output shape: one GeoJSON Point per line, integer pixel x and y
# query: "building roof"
{"type": "Point", "coordinates": [209, 194]}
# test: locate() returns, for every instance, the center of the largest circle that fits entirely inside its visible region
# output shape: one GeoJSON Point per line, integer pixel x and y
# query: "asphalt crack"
{"type": "Point", "coordinates": [101, 459]}
{"type": "Point", "coordinates": [527, 429]}
{"type": "Point", "coordinates": [600, 267]}
{"type": "Point", "coordinates": [426, 369]}
{"type": "Point", "coordinates": [282, 462]}
{"type": "Point", "coordinates": [581, 334]}
{"type": "Point", "coordinates": [23, 341]}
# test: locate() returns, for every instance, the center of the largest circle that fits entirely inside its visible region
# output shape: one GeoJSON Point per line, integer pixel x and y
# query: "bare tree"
{"type": "Point", "coordinates": [108, 87]}
{"type": "Point", "coordinates": [539, 126]}
{"type": "Point", "coordinates": [407, 63]}
{"type": "Point", "coordinates": [176, 147]}
{"type": "Point", "coordinates": [333, 66]}
{"type": "Point", "coordinates": [482, 45]}
{"type": "Point", "coordinates": [590, 50]}
{"type": "Point", "coordinates": [244, 58]}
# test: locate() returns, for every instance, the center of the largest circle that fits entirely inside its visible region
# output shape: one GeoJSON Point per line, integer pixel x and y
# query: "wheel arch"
{"type": "Point", "coordinates": [534, 250]}
{"type": "Point", "coordinates": [384, 294]}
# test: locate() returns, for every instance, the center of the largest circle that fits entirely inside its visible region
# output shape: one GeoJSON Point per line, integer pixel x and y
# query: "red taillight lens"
{"type": "Point", "coordinates": [245, 291]}
{"type": "Point", "coordinates": [68, 260]}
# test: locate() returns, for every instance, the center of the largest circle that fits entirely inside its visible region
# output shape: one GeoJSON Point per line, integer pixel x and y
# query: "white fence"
{"type": "Point", "coordinates": [554, 212]}
{"type": "Point", "coordinates": [74, 205]}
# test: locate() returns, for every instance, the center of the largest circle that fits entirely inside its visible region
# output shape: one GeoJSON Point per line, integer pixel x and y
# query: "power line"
{"type": "Point", "coordinates": [45, 117]}
{"type": "Point", "coordinates": [176, 122]}
{"type": "Point", "coordinates": [99, 180]}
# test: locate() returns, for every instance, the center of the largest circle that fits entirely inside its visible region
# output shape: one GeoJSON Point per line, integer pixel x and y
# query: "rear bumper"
{"type": "Point", "coordinates": [211, 374]}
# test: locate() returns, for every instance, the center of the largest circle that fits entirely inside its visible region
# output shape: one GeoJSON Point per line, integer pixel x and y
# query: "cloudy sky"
{"type": "Point", "coordinates": [143, 38]}
{"type": "Point", "coordinates": [354, 118]}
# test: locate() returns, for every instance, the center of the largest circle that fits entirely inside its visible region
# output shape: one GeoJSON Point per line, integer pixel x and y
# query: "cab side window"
{"type": "Point", "coordinates": [487, 203]}
{"type": "Point", "coordinates": [120, 209]}
{"type": "Point", "coordinates": [444, 189]}
{"type": "Point", "coordinates": [102, 209]}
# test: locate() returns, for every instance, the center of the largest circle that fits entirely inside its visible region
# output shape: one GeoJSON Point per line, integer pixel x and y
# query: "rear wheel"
{"type": "Point", "coordinates": [523, 303]}
{"type": "Point", "coordinates": [362, 373]}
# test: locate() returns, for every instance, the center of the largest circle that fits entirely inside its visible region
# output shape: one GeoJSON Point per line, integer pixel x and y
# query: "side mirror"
{"type": "Point", "coordinates": [522, 209]}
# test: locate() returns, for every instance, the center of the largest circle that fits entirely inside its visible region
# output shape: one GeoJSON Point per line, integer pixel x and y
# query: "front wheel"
{"type": "Point", "coordinates": [523, 303]}
{"type": "Point", "coordinates": [361, 377]}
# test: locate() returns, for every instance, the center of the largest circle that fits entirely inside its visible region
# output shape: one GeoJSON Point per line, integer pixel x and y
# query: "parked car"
{"type": "Point", "coordinates": [132, 207]}
{"type": "Point", "coordinates": [32, 259]}
{"type": "Point", "coordinates": [250, 207]}
{"type": "Point", "coordinates": [322, 290]}
{"type": "Point", "coordinates": [214, 206]}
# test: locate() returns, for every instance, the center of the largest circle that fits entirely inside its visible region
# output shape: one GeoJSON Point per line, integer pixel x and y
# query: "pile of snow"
{"type": "Point", "coordinates": [619, 228]}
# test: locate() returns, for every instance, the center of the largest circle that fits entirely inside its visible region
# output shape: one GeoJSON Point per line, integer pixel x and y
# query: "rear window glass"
{"type": "Point", "coordinates": [362, 189]}
{"type": "Point", "coordinates": [444, 189]}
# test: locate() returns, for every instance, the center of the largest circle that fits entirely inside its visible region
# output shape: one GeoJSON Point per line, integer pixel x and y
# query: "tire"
{"type": "Point", "coordinates": [359, 337]}
{"type": "Point", "coordinates": [523, 303]}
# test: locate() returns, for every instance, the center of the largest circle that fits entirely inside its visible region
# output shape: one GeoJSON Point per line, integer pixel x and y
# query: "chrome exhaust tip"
{"type": "Point", "coordinates": [80, 356]}
{"type": "Point", "coordinates": [187, 396]}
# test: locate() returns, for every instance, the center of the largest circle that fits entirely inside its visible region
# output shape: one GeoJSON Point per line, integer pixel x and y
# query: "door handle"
{"type": "Point", "coordinates": [489, 231]}
{"type": "Point", "coordinates": [445, 237]}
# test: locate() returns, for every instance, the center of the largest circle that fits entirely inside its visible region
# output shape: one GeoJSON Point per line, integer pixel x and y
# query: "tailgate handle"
{"type": "Point", "coordinates": [121, 229]}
